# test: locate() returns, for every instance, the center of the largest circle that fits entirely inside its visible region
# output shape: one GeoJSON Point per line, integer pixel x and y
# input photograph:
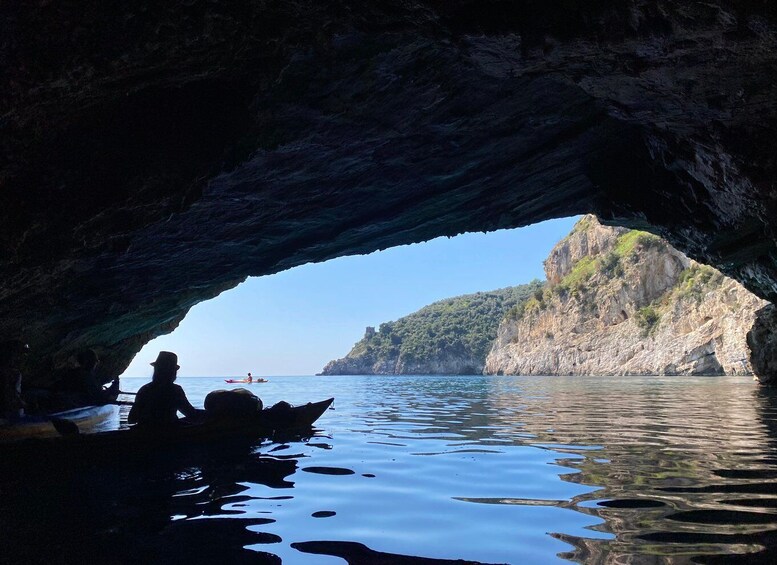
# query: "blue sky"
{"type": "Point", "coordinates": [294, 322]}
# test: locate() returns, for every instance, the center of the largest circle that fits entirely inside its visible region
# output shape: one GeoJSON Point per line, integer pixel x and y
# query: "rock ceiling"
{"type": "Point", "coordinates": [157, 153]}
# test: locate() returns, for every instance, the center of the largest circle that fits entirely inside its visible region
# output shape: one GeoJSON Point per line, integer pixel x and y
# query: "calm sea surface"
{"type": "Point", "coordinates": [421, 469]}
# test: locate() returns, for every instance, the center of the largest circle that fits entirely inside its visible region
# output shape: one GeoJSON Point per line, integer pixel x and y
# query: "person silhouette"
{"type": "Point", "coordinates": [84, 382]}
{"type": "Point", "coordinates": [158, 402]}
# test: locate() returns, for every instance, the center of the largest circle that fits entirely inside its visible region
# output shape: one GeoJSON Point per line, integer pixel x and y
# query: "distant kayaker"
{"type": "Point", "coordinates": [158, 402]}
{"type": "Point", "coordinates": [11, 356]}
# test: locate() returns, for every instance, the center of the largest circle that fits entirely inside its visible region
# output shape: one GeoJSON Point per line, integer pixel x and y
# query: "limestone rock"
{"type": "Point", "coordinates": [625, 302]}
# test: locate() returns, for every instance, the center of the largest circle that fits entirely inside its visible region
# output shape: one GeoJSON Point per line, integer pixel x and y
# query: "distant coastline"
{"type": "Point", "coordinates": [615, 302]}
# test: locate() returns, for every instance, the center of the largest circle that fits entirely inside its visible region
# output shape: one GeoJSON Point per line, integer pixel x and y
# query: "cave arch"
{"type": "Point", "coordinates": [154, 158]}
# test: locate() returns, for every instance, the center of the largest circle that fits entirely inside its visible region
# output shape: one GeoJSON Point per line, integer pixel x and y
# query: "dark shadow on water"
{"type": "Point", "coordinates": [723, 517]}
{"type": "Point", "coordinates": [328, 470]}
{"type": "Point", "coordinates": [160, 508]}
{"type": "Point", "coordinates": [359, 554]}
{"type": "Point", "coordinates": [631, 503]}
{"type": "Point", "coordinates": [754, 502]}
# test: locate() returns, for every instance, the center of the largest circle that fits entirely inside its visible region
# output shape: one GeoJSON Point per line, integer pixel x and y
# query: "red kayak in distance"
{"type": "Point", "coordinates": [245, 382]}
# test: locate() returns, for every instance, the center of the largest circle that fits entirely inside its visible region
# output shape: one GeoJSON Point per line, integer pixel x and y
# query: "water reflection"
{"type": "Point", "coordinates": [664, 450]}
{"type": "Point", "coordinates": [660, 453]}
{"type": "Point", "coordinates": [177, 506]}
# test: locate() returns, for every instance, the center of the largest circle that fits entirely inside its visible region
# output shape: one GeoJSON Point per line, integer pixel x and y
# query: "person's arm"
{"type": "Point", "coordinates": [109, 394]}
{"type": "Point", "coordinates": [136, 411]}
{"type": "Point", "coordinates": [105, 379]}
{"type": "Point", "coordinates": [185, 407]}
{"type": "Point", "coordinates": [92, 390]}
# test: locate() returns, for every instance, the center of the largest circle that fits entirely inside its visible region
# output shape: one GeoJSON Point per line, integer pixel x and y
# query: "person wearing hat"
{"type": "Point", "coordinates": [158, 402]}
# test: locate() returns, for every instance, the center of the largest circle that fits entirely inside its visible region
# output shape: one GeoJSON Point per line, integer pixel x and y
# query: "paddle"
{"type": "Point", "coordinates": [128, 393]}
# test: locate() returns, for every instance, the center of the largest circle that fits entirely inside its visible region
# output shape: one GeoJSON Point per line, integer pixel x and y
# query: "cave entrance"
{"type": "Point", "coordinates": [294, 322]}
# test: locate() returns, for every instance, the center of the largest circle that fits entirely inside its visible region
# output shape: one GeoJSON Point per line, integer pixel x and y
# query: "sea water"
{"type": "Point", "coordinates": [482, 469]}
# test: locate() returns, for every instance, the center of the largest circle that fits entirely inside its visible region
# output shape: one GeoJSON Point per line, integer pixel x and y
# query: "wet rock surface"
{"type": "Point", "coordinates": [156, 154]}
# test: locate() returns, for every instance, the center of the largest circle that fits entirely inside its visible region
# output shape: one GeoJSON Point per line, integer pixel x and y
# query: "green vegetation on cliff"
{"type": "Point", "coordinates": [460, 328]}
{"type": "Point", "coordinates": [623, 302]}
{"type": "Point", "coordinates": [627, 247]}
{"type": "Point", "coordinates": [696, 280]}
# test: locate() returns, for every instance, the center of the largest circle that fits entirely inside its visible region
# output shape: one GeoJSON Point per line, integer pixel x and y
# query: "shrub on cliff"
{"type": "Point", "coordinates": [696, 280]}
{"type": "Point", "coordinates": [647, 318]}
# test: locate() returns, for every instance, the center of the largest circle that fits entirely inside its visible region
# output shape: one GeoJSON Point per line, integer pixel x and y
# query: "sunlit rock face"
{"type": "Point", "coordinates": [155, 154]}
{"type": "Point", "coordinates": [621, 302]}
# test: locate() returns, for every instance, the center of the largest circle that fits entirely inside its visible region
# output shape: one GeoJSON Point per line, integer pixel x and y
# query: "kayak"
{"type": "Point", "coordinates": [86, 417]}
{"type": "Point", "coordinates": [268, 423]}
{"type": "Point", "coordinates": [244, 382]}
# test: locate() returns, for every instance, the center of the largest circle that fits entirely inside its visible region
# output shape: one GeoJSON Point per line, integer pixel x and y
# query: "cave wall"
{"type": "Point", "coordinates": [155, 154]}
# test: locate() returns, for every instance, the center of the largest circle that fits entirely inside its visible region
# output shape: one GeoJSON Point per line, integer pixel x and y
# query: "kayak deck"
{"type": "Point", "coordinates": [267, 423]}
{"type": "Point", "coordinates": [86, 418]}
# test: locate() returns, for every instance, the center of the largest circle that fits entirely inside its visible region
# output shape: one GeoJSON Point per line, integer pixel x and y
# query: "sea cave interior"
{"type": "Point", "coordinates": [153, 159]}
{"type": "Point", "coordinates": [155, 155]}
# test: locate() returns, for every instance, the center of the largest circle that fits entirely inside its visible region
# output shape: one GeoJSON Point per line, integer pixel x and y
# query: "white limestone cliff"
{"type": "Point", "coordinates": [625, 302]}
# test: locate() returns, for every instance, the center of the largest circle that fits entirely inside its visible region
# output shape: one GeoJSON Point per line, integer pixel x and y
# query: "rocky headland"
{"type": "Point", "coordinates": [449, 337]}
{"type": "Point", "coordinates": [619, 301]}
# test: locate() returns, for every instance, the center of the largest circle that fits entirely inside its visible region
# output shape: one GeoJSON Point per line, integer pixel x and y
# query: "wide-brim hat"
{"type": "Point", "coordinates": [166, 360]}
